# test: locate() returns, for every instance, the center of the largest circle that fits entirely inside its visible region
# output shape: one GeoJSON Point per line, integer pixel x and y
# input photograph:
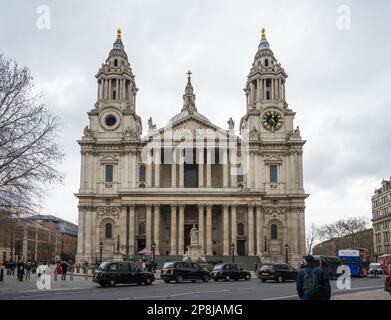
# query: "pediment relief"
{"type": "Point", "coordinates": [108, 211]}
{"type": "Point", "coordinates": [109, 159]}
{"type": "Point", "coordinates": [273, 159]}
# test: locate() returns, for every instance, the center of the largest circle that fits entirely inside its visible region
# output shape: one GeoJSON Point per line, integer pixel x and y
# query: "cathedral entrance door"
{"type": "Point", "coordinates": [140, 244]}
{"type": "Point", "coordinates": [241, 247]}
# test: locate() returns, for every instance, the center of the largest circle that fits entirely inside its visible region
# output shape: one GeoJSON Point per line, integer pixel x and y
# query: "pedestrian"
{"type": "Point", "coordinates": [20, 270]}
{"type": "Point", "coordinates": [58, 269]}
{"type": "Point", "coordinates": [387, 282]}
{"type": "Point", "coordinates": [28, 269]}
{"type": "Point", "coordinates": [143, 265]}
{"type": "Point", "coordinates": [12, 265]}
{"type": "Point", "coordinates": [64, 267]}
{"type": "Point", "coordinates": [312, 282]}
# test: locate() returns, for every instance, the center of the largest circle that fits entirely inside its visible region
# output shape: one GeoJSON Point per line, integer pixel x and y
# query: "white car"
{"type": "Point", "coordinates": [375, 269]}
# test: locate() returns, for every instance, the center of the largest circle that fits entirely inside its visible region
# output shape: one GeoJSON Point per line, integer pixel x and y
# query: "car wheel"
{"type": "Point", "coordinates": [148, 281]}
{"type": "Point", "coordinates": [179, 279]}
{"type": "Point", "coordinates": [167, 281]}
{"type": "Point", "coordinates": [247, 277]}
{"type": "Point", "coordinates": [102, 284]}
{"type": "Point", "coordinates": [280, 279]}
{"type": "Point", "coordinates": [216, 279]}
{"type": "Point", "coordinates": [193, 281]}
{"type": "Point", "coordinates": [112, 283]}
{"type": "Point", "coordinates": [227, 278]}
{"type": "Point", "coordinates": [205, 278]}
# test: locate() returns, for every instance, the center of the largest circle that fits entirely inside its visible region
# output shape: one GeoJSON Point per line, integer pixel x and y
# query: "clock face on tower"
{"type": "Point", "coordinates": [272, 120]}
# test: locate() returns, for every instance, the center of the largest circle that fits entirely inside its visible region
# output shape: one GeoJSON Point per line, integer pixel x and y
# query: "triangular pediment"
{"type": "Point", "coordinates": [273, 159]}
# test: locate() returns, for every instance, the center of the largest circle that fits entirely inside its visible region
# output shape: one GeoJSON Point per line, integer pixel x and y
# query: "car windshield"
{"type": "Point", "coordinates": [218, 267]}
{"type": "Point", "coordinates": [375, 266]}
{"type": "Point", "coordinates": [169, 265]}
{"type": "Point", "coordinates": [103, 266]}
{"type": "Point", "coordinates": [266, 267]}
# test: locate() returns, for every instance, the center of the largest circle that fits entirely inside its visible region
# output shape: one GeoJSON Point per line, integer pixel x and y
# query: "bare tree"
{"type": "Point", "coordinates": [28, 148]}
{"type": "Point", "coordinates": [344, 227]}
{"type": "Point", "coordinates": [311, 238]}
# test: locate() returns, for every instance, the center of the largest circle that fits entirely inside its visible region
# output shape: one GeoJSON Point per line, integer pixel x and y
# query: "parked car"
{"type": "Point", "coordinates": [375, 269]}
{"type": "Point", "coordinates": [181, 271]}
{"type": "Point", "coordinates": [111, 273]}
{"type": "Point", "coordinates": [279, 272]}
{"type": "Point", "coordinates": [228, 271]}
{"type": "Point", "coordinates": [329, 264]}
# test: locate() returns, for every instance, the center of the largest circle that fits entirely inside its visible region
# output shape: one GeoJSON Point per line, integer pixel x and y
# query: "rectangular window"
{"type": "Point", "coordinates": [109, 173]}
{"type": "Point", "coordinates": [273, 174]}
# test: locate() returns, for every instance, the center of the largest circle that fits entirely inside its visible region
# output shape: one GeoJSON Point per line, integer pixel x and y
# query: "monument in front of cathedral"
{"type": "Point", "coordinates": [243, 194]}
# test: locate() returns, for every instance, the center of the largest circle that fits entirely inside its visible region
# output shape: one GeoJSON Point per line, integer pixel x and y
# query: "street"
{"type": "Point", "coordinates": [81, 289]}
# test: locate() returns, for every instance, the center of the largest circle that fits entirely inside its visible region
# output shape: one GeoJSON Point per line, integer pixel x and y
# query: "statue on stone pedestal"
{"type": "Point", "coordinates": [194, 235]}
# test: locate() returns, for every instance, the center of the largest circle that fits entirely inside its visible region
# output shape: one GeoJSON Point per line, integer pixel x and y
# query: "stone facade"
{"type": "Point", "coordinates": [381, 219]}
{"type": "Point", "coordinates": [244, 193]}
{"type": "Point", "coordinates": [358, 240]}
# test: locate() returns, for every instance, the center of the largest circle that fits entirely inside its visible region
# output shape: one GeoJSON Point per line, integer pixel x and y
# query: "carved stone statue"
{"type": "Point", "coordinates": [87, 132]}
{"type": "Point", "coordinates": [231, 124]}
{"type": "Point", "coordinates": [151, 125]}
{"type": "Point", "coordinates": [194, 235]}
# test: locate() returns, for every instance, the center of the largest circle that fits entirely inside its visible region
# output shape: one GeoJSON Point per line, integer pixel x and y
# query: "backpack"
{"type": "Point", "coordinates": [311, 285]}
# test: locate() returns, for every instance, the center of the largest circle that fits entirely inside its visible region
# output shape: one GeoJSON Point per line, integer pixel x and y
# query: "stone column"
{"type": "Point", "coordinates": [80, 232]}
{"type": "Point", "coordinates": [250, 230]}
{"type": "Point", "coordinates": [259, 230]}
{"type": "Point", "coordinates": [264, 89]}
{"type": "Point", "coordinates": [257, 170]}
{"type": "Point", "coordinates": [173, 169]}
{"type": "Point", "coordinates": [87, 246]}
{"type": "Point", "coordinates": [109, 95]}
{"type": "Point", "coordinates": [225, 168]}
{"type": "Point", "coordinates": [181, 170]}
{"type": "Point", "coordinates": [181, 232]}
{"type": "Point", "coordinates": [173, 230]}
{"type": "Point", "coordinates": [208, 168]}
{"type": "Point", "coordinates": [134, 169]}
{"type": "Point", "coordinates": [273, 91]}
{"type": "Point", "coordinates": [201, 226]}
{"type": "Point", "coordinates": [234, 228]}
{"type": "Point", "coordinates": [226, 244]}
{"type": "Point", "coordinates": [209, 238]}
{"type": "Point", "coordinates": [201, 167]}
{"type": "Point", "coordinates": [157, 167]}
{"type": "Point", "coordinates": [131, 229]}
{"type": "Point", "coordinates": [36, 245]}
{"type": "Point", "coordinates": [122, 228]}
{"type": "Point", "coordinates": [156, 228]}
{"type": "Point", "coordinates": [149, 226]}
{"type": "Point", "coordinates": [249, 170]}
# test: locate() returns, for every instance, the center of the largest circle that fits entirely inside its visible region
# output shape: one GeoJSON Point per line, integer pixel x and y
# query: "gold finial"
{"type": "Point", "coordinates": [263, 36]}
{"type": "Point", "coordinates": [119, 33]}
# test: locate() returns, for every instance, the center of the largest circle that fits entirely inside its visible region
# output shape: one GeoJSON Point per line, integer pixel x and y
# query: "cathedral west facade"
{"type": "Point", "coordinates": [243, 193]}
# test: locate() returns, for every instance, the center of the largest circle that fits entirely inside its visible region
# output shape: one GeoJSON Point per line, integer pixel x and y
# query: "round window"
{"type": "Point", "coordinates": [110, 120]}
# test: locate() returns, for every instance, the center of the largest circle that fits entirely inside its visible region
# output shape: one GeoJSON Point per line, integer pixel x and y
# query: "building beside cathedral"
{"type": "Point", "coordinates": [244, 193]}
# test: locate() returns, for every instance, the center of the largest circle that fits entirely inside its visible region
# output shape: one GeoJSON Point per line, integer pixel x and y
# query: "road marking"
{"type": "Point", "coordinates": [246, 288]}
{"type": "Point", "coordinates": [285, 297]}
{"type": "Point", "coordinates": [178, 294]}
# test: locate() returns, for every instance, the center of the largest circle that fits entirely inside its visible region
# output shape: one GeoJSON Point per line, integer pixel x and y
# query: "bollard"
{"type": "Point", "coordinates": [55, 276]}
{"type": "Point", "coordinates": [71, 274]}
{"type": "Point", "coordinates": [86, 273]}
{"type": "Point", "coordinates": [1, 274]}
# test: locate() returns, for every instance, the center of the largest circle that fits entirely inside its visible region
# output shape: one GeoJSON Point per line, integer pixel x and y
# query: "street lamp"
{"type": "Point", "coordinates": [286, 253]}
{"type": "Point", "coordinates": [153, 254]}
{"type": "Point", "coordinates": [100, 251]}
{"type": "Point", "coordinates": [233, 252]}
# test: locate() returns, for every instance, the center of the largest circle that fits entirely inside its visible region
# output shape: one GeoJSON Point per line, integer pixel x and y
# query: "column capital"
{"type": "Point", "coordinates": [173, 204]}
{"type": "Point", "coordinates": [181, 206]}
{"type": "Point", "coordinates": [156, 205]}
{"type": "Point", "coordinates": [200, 206]}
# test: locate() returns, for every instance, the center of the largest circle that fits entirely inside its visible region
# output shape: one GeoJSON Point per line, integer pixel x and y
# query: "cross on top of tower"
{"type": "Point", "coordinates": [189, 75]}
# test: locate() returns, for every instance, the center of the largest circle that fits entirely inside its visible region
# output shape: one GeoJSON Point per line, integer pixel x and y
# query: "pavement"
{"type": "Point", "coordinates": [82, 289]}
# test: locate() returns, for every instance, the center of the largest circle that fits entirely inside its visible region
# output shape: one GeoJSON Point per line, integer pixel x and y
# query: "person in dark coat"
{"type": "Point", "coordinates": [64, 267]}
{"type": "Point", "coordinates": [20, 270]}
{"type": "Point", "coordinates": [312, 282]}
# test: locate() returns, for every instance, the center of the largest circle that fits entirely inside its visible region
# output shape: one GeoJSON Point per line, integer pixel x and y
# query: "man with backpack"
{"type": "Point", "coordinates": [312, 283]}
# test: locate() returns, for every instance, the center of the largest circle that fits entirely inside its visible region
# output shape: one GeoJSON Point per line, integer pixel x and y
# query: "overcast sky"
{"type": "Point", "coordinates": [339, 78]}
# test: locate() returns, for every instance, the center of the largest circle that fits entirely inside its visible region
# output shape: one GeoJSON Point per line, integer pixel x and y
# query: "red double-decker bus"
{"type": "Point", "coordinates": [385, 261]}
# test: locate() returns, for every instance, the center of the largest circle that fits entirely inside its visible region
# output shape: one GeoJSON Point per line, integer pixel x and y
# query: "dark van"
{"type": "Point", "coordinates": [111, 273]}
{"type": "Point", "coordinates": [329, 264]}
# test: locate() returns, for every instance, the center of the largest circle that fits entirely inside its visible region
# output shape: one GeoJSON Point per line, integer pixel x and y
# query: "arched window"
{"type": "Point", "coordinates": [266, 62]}
{"type": "Point", "coordinates": [240, 229]}
{"type": "Point", "coordinates": [108, 231]}
{"type": "Point", "coordinates": [273, 232]}
{"type": "Point", "coordinates": [141, 229]}
{"type": "Point", "coordinates": [115, 62]}
{"type": "Point", "coordinates": [142, 173]}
